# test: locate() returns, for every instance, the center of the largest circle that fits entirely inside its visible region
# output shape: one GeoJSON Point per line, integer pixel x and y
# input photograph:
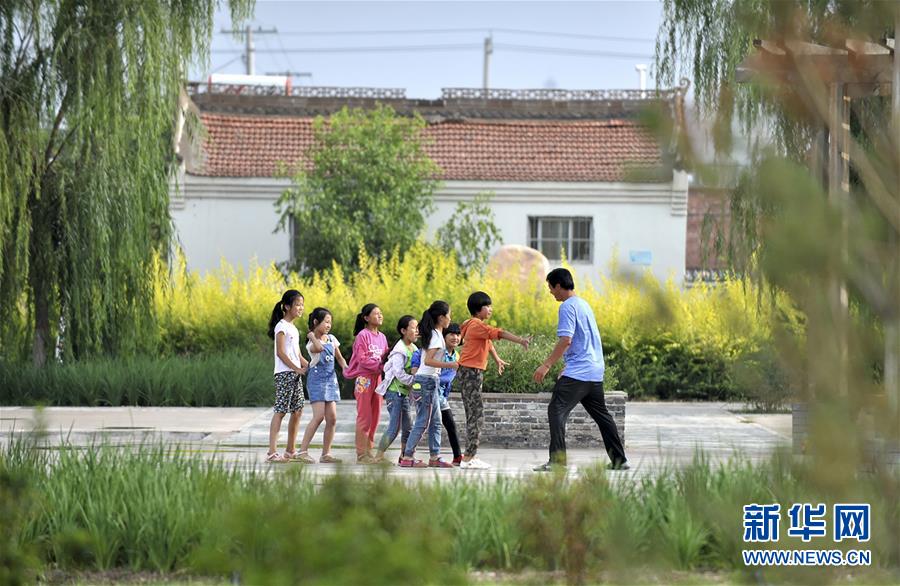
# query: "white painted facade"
{"type": "Point", "coordinates": [234, 219]}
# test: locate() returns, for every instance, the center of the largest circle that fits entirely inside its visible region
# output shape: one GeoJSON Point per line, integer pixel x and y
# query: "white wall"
{"type": "Point", "coordinates": [231, 219]}
{"type": "Point", "coordinates": [234, 219]}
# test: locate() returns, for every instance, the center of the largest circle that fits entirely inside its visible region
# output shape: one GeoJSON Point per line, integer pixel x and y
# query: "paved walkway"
{"type": "Point", "coordinates": [657, 435]}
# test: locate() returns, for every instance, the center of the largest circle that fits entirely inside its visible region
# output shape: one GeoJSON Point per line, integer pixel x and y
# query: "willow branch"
{"type": "Point", "coordinates": [60, 114]}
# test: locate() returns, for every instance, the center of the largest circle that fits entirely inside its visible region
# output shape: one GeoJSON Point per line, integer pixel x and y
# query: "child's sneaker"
{"type": "Point", "coordinates": [438, 463]}
{"type": "Point", "coordinates": [410, 463]}
{"type": "Point", "coordinates": [475, 464]}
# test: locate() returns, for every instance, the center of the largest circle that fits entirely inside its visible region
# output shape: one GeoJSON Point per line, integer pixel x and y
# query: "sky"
{"type": "Point", "coordinates": [436, 44]}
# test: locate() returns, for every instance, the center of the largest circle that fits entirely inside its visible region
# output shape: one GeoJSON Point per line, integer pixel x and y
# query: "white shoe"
{"type": "Point", "coordinates": [475, 464]}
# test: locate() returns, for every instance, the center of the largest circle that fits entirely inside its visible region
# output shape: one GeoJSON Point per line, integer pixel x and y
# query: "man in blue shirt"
{"type": "Point", "coordinates": [582, 378]}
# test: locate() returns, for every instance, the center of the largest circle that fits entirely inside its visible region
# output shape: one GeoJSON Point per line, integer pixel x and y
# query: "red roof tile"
{"type": "Point", "coordinates": [469, 150]}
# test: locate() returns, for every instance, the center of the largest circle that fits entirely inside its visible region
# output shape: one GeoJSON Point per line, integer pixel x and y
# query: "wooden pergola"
{"type": "Point", "coordinates": [854, 69]}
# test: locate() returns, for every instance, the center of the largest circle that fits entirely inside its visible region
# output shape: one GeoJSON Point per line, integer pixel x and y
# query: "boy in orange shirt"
{"type": "Point", "coordinates": [477, 338]}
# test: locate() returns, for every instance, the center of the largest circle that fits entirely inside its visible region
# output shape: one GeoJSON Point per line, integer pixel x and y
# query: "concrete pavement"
{"type": "Point", "coordinates": [657, 435]}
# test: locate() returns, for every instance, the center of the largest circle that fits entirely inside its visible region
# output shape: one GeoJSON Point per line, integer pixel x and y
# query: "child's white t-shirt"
{"type": "Point", "coordinates": [314, 356]}
{"type": "Point", "coordinates": [437, 341]}
{"type": "Point", "coordinates": [291, 346]}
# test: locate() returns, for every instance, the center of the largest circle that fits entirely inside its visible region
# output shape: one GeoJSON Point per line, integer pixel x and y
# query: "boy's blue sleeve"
{"type": "Point", "coordinates": [416, 359]}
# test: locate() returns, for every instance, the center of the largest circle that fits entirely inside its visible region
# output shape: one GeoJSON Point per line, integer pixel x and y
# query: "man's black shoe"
{"type": "Point", "coordinates": [619, 466]}
{"type": "Point", "coordinates": [549, 467]}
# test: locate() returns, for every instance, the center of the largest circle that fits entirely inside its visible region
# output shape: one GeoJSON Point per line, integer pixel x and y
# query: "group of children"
{"type": "Point", "coordinates": [403, 377]}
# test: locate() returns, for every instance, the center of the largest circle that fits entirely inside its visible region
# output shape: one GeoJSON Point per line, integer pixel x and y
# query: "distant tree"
{"type": "Point", "coordinates": [471, 232]}
{"type": "Point", "coordinates": [88, 94]}
{"type": "Point", "coordinates": [370, 184]}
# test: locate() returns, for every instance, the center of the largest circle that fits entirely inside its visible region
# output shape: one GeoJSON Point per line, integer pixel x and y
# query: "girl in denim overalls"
{"type": "Point", "coordinates": [322, 384]}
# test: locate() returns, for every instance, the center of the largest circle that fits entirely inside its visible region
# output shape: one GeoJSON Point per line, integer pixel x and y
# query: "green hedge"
{"type": "Point", "coordinates": [234, 379]}
{"type": "Point", "coordinates": [224, 380]}
{"type": "Point", "coordinates": [652, 369]}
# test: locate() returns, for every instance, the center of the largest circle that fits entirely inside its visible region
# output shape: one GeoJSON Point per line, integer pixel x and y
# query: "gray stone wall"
{"type": "Point", "coordinates": [519, 420]}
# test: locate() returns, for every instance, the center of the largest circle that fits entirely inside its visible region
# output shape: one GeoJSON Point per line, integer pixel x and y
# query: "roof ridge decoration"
{"type": "Point", "coordinates": [561, 95]}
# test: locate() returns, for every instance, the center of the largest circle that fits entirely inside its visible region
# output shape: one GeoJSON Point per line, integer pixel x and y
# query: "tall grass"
{"type": "Point", "coordinates": [222, 380]}
{"type": "Point", "coordinates": [162, 509]}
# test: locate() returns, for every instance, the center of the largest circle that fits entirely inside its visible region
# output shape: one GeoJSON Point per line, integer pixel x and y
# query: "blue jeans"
{"type": "Point", "coordinates": [399, 419]}
{"type": "Point", "coordinates": [428, 417]}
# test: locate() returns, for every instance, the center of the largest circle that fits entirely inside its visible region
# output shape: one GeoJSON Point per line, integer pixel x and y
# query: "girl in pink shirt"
{"type": "Point", "coordinates": [369, 349]}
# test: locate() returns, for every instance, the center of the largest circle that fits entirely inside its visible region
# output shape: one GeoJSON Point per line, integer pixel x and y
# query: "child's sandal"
{"type": "Point", "coordinates": [276, 458]}
{"type": "Point", "coordinates": [300, 457]}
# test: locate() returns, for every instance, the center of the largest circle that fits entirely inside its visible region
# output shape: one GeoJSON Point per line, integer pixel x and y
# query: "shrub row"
{"type": "Point", "coordinates": [233, 379]}
{"type": "Point", "coordinates": [664, 342]}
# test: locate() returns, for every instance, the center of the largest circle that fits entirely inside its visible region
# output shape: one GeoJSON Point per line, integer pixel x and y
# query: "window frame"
{"type": "Point", "coordinates": [536, 240]}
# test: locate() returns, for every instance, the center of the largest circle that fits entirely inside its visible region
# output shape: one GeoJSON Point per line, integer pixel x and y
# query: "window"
{"type": "Point", "coordinates": [552, 235]}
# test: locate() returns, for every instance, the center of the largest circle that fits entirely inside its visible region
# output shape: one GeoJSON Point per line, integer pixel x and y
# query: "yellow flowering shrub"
{"type": "Point", "coordinates": [664, 340]}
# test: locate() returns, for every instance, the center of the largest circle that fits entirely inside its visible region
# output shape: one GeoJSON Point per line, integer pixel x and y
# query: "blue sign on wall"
{"type": "Point", "coordinates": [640, 257]}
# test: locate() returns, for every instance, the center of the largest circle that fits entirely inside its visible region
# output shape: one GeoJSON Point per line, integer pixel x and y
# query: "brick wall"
{"type": "Point", "coordinates": [700, 254]}
{"type": "Point", "coordinates": [519, 420]}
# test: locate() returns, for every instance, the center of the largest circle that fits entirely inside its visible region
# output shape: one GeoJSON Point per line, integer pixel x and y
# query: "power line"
{"type": "Point", "coordinates": [452, 47]}
{"type": "Point", "coordinates": [570, 51]}
{"type": "Point", "coordinates": [375, 49]}
{"type": "Point", "coordinates": [226, 64]}
{"type": "Point", "coordinates": [469, 30]}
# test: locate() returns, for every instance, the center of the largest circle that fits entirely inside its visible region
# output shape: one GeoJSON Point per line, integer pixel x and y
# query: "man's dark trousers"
{"type": "Point", "coordinates": [567, 393]}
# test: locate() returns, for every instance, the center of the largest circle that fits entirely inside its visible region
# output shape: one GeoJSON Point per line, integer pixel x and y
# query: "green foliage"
{"type": "Point", "coordinates": [149, 508]}
{"type": "Point", "coordinates": [217, 380]}
{"type": "Point", "coordinates": [668, 369]}
{"type": "Point", "coordinates": [765, 380]}
{"type": "Point", "coordinates": [18, 563]}
{"type": "Point", "coordinates": [87, 101]}
{"type": "Point", "coordinates": [706, 40]}
{"type": "Point", "coordinates": [350, 530]}
{"type": "Point", "coordinates": [370, 185]}
{"type": "Point", "coordinates": [471, 232]}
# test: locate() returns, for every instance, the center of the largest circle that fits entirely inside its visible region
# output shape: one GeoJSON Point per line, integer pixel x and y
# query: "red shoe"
{"type": "Point", "coordinates": [410, 463]}
{"type": "Point", "coordinates": [457, 460]}
{"type": "Point", "coordinates": [438, 463]}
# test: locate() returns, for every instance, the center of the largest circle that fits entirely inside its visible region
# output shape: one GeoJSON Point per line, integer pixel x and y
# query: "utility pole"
{"type": "Point", "coordinates": [488, 50]}
{"type": "Point", "coordinates": [642, 73]}
{"type": "Point", "coordinates": [250, 50]}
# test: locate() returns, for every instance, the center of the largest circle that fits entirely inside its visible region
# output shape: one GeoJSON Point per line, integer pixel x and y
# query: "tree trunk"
{"type": "Point", "coordinates": [41, 327]}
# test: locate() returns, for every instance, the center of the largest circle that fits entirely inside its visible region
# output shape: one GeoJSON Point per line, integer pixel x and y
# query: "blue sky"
{"type": "Point", "coordinates": [629, 28]}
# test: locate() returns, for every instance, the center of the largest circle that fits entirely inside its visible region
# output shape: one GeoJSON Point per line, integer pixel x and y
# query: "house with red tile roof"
{"type": "Point", "coordinates": [572, 170]}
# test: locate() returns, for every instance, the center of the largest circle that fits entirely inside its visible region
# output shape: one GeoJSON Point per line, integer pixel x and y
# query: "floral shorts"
{"type": "Point", "coordinates": [288, 392]}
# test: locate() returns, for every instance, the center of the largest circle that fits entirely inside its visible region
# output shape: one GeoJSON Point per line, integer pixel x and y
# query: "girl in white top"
{"type": "Point", "coordinates": [289, 366]}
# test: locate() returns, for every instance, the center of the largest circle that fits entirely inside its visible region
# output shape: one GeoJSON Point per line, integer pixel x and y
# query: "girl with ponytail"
{"type": "Point", "coordinates": [366, 360]}
{"type": "Point", "coordinates": [322, 384]}
{"type": "Point", "coordinates": [289, 366]}
{"type": "Point", "coordinates": [425, 387]}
